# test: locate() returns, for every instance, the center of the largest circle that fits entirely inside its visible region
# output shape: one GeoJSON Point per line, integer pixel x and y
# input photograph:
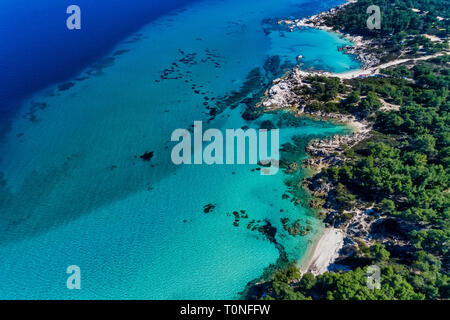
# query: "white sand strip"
{"type": "Point", "coordinates": [325, 251]}
{"type": "Point", "coordinates": [376, 70]}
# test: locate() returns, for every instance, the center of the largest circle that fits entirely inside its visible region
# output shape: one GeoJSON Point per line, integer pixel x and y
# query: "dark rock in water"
{"type": "Point", "coordinates": [38, 105]}
{"type": "Point", "coordinates": [120, 52]}
{"type": "Point", "coordinates": [267, 124]}
{"type": "Point", "coordinates": [251, 111]}
{"type": "Point", "coordinates": [98, 67]}
{"type": "Point", "coordinates": [213, 112]}
{"type": "Point", "coordinates": [251, 114]}
{"type": "Point", "coordinates": [272, 64]}
{"type": "Point", "coordinates": [295, 228]}
{"type": "Point", "coordinates": [136, 38]}
{"type": "Point", "coordinates": [66, 86]}
{"type": "Point", "coordinates": [147, 156]}
{"type": "Point", "coordinates": [254, 82]}
{"type": "Point", "coordinates": [238, 216]}
{"type": "Point", "coordinates": [209, 208]}
{"type": "Point", "coordinates": [269, 231]}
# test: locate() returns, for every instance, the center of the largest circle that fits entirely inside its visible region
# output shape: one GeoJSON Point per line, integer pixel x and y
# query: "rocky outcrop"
{"type": "Point", "coordinates": [281, 95]}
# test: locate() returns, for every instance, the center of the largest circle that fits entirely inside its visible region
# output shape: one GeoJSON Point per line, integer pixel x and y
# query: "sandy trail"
{"type": "Point", "coordinates": [376, 70]}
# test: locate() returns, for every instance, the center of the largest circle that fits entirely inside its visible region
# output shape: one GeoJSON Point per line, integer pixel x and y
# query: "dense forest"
{"type": "Point", "coordinates": [397, 16]}
{"type": "Point", "coordinates": [402, 168]}
{"type": "Point", "coordinates": [403, 26]}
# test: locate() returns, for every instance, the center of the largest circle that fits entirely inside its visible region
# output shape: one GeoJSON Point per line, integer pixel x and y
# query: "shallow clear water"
{"type": "Point", "coordinates": [75, 191]}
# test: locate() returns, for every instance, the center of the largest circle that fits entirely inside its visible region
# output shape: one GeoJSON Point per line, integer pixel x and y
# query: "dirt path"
{"type": "Point", "coordinates": [376, 70]}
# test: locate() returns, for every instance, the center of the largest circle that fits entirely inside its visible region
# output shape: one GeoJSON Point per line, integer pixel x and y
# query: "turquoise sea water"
{"type": "Point", "coordinates": [75, 192]}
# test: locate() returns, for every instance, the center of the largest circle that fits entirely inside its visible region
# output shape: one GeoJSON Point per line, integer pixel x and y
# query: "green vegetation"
{"type": "Point", "coordinates": [402, 29]}
{"type": "Point", "coordinates": [397, 18]}
{"type": "Point", "coordinates": [402, 169]}
{"type": "Point", "coordinates": [405, 171]}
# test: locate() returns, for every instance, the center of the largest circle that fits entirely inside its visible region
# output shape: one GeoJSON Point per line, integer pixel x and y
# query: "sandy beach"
{"type": "Point", "coordinates": [324, 252]}
{"type": "Point", "coordinates": [327, 246]}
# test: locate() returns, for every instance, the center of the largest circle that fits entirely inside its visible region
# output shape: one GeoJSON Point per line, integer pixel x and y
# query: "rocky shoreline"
{"type": "Point", "coordinates": [362, 224]}
{"type": "Point", "coordinates": [326, 152]}
{"type": "Point", "coordinates": [363, 187]}
{"type": "Point", "coordinates": [360, 47]}
{"type": "Point", "coordinates": [336, 240]}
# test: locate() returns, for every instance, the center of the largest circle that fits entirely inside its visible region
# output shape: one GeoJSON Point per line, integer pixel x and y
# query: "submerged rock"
{"type": "Point", "coordinates": [209, 208]}
{"type": "Point", "coordinates": [147, 156]}
{"type": "Point", "coordinates": [66, 86]}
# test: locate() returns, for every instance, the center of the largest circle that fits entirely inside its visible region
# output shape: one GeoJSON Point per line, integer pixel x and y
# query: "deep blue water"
{"type": "Point", "coordinates": [73, 190]}
{"type": "Point", "coordinates": [37, 49]}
